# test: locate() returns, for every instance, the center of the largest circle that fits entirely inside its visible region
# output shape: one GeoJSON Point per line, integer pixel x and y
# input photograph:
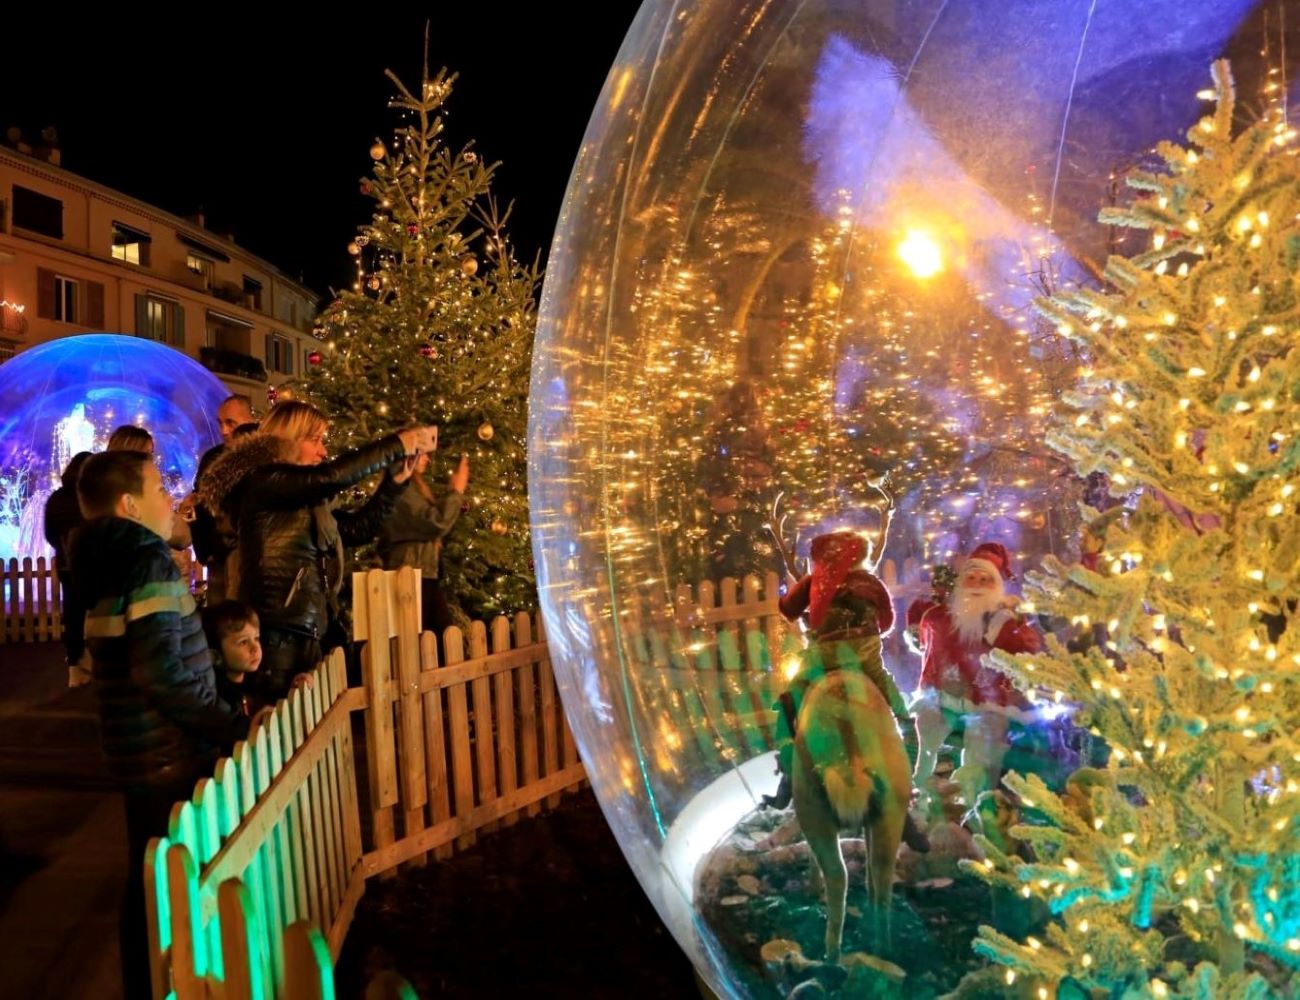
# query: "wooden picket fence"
{"type": "Point", "coordinates": [31, 601]}
{"type": "Point", "coordinates": [264, 854]}
{"type": "Point", "coordinates": [254, 887]}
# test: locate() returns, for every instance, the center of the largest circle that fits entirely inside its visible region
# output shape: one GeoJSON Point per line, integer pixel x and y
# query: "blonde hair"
{"type": "Point", "coordinates": [130, 438]}
{"type": "Point", "coordinates": [294, 420]}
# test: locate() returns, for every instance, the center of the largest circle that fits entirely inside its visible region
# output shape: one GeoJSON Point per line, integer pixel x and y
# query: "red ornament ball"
{"type": "Point", "coordinates": [365, 187]}
{"type": "Point", "coordinates": [315, 358]}
{"type": "Point", "coordinates": [412, 229]}
{"type": "Point", "coordinates": [428, 351]}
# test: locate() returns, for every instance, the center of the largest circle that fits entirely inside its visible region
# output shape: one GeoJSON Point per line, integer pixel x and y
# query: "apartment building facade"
{"type": "Point", "coordinates": [77, 257]}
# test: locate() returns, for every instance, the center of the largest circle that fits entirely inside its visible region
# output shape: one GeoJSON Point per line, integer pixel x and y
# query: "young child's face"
{"type": "Point", "coordinates": [242, 650]}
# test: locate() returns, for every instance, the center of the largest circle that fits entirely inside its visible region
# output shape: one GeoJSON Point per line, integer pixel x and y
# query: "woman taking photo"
{"type": "Point", "coordinates": [276, 486]}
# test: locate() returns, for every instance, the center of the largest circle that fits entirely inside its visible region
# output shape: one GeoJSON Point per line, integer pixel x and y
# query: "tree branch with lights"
{"type": "Point", "coordinates": [1175, 871]}
{"type": "Point", "coordinates": [438, 329]}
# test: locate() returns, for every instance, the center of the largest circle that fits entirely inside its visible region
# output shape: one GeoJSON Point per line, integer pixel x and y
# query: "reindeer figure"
{"type": "Point", "coordinates": [851, 773]}
{"type": "Point", "coordinates": [847, 766]}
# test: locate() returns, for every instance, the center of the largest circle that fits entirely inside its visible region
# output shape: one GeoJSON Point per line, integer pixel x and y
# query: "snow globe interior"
{"type": "Point", "coordinates": [68, 395]}
{"type": "Point", "coordinates": [792, 287]}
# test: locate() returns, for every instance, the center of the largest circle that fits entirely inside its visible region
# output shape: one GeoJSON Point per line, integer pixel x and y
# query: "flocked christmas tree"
{"type": "Point", "coordinates": [438, 329]}
{"type": "Point", "coordinates": [1175, 870]}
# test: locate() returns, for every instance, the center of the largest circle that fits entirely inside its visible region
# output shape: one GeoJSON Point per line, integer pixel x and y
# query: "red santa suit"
{"type": "Point", "coordinates": [954, 666]}
{"type": "Point", "coordinates": [956, 683]}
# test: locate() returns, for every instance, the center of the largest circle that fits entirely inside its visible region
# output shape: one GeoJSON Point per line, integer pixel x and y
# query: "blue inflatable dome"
{"type": "Point", "coordinates": [67, 396]}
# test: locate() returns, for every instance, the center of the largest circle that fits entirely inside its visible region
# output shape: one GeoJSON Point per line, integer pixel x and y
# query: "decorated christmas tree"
{"type": "Point", "coordinates": [1175, 870]}
{"type": "Point", "coordinates": [438, 329]}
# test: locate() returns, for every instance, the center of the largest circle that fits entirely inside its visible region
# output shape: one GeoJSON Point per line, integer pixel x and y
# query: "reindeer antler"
{"type": "Point", "coordinates": [886, 520]}
{"type": "Point", "coordinates": [776, 528]}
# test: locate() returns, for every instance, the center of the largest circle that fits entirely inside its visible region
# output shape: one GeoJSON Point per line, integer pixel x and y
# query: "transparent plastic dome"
{"type": "Point", "coordinates": [799, 252]}
{"type": "Point", "coordinates": [68, 395]}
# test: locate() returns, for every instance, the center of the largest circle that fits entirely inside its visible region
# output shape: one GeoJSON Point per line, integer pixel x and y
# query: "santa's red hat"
{"type": "Point", "coordinates": [834, 555]}
{"type": "Point", "coordinates": [994, 557]}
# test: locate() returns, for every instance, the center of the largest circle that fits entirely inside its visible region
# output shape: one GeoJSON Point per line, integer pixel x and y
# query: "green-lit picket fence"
{"type": "Point", "coordinates": [253, 889]}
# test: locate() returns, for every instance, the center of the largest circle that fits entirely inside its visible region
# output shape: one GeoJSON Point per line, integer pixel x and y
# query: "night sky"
{"type": "Point", "coordinates": [265, 125]}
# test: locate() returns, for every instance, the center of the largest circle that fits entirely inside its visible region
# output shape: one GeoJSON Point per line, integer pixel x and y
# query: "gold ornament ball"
{"type": "Point", "coordinates": [378, 151]}
{"type": "Point", "coordinates": [373, 284]}
{"type": "Point", "coordinates": [485, 431]}
{"type": "Point", "coordinates": [499, 528]}
{"type": "Point", "coordinates": [470, 266]}
{"type": "Point", "coordinates": [354, 248]}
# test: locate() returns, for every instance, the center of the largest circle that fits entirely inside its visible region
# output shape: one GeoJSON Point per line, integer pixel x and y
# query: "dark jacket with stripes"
{"type": "Point", "coordinates": [160, 716]}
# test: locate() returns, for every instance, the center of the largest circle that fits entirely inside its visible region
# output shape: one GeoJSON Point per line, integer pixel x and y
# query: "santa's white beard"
{"type": "Point", "coordinates": [969, 608]}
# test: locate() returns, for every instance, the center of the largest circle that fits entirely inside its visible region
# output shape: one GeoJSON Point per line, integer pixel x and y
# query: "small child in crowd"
{"type": "Point", "coordinates": [232, 631]}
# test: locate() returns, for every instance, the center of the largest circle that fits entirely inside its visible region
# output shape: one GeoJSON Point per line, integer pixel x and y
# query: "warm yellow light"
{"type": "Point", "coordinates": [920, 253]}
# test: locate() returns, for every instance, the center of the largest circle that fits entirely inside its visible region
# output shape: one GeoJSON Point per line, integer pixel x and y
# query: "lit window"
{"type": "Point", "coordinates": [129, 245]}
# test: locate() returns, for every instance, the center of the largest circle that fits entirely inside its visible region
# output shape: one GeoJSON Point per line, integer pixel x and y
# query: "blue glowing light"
{"type": "Point", "coordinates": [67, 395]}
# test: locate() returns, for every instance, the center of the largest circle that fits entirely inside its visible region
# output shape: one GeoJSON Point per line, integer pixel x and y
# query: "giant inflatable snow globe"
{"type": "Point", "coordinates": [68, 395]}
{"type": "Point", "coordinates": [791, 401]}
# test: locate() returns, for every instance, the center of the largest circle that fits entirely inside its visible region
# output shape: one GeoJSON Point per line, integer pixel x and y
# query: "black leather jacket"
{"type": "Point", "coordinates": [290, 542]}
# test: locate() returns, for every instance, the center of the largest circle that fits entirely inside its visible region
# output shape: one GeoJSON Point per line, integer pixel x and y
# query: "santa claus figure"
{"type": "Point", "coordinates": [956, 685]}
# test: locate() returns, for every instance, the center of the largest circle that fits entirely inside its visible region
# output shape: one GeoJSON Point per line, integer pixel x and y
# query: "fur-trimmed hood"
{"type": "Point", "coordinates": [240, 457]}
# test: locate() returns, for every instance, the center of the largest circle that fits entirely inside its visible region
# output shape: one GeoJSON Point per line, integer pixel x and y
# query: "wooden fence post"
{"type": "Point", "coordinates": [376, 665]}
{"type": "Point", "coordinates": [507, 747]}
{"type": "Point", "coordinates": [458, 714]}
{"type": "Point", "coordinates": [410, 714]}
{"type": "Point", "coordinates": [527, 708]}
{"type": "Point", "coordinates": [308, 968]}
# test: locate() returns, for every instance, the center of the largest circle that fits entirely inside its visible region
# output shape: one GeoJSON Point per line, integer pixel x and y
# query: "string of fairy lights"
{"type": "Point", "coordinates": [1188, 398]}
{"type": "Point", "coordinates": [974, 392]}
{"type": "Point", "coordinates": [895, 368]}
{"type": "Point", "coordinates": [437, 328]}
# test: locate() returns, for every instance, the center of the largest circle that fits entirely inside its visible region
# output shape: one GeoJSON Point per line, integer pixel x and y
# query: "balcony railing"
{"type": "Point", "coordinates": [13, 322]}
{"type": "Point", "coordinates": [224, 362]}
